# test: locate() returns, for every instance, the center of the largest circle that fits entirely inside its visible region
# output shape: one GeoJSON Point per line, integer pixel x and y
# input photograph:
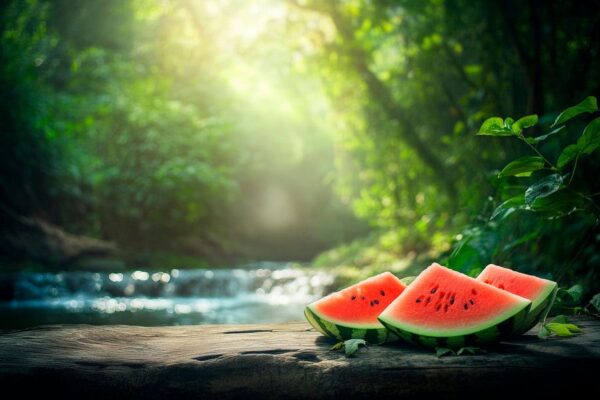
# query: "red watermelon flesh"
{"type": "Point", "coordinates": [528, 286]}
{"type": "Point", "coordinates": [441, 302]}
{"type": "Point", "coordinates": [359, 305]}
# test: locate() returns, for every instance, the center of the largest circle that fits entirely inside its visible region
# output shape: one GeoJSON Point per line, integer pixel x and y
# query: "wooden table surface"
{"type": "Point", "coordinates": [282, 361]}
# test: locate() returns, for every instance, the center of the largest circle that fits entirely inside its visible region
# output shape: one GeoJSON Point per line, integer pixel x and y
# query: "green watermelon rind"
{"type": "Point", "coordinates": [538, 308]}
{"type": "Point", "coordinates": [523, 304]}
{"type": "Point", "coordinates": [478, 337]}
{"type": "Point", "coordinates": [345, 331]}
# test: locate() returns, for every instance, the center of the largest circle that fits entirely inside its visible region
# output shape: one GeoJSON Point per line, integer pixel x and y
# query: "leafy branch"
{"type": "Point", "coordinates": [552, 194]}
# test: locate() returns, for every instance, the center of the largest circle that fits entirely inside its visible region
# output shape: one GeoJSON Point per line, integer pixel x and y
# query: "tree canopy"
{"type": "Point", "coordinates": [277, 129]}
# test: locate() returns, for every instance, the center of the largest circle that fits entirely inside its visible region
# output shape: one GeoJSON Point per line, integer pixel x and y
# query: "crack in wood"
{"type": "Point", "coordinates": [307, 356]}
{"type": "Point", "coordinates": [248, 331]}
{"type": "Point", "coordinates": [207, 357]}
{"type": "Point", "coordinates": [270, 352]}
{"type": "Point", "coordinates": [102, 365]}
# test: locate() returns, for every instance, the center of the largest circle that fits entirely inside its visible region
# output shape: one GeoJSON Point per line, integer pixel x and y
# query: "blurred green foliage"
{"type": "Point", "coordinates": [126, 120]}
{"type": "Point", "coordinates": [225, 125]}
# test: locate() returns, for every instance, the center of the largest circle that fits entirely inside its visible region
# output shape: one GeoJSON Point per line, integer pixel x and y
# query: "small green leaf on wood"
{"type": "Point", "coordinates": [590, 138]}
{"type": "Point", "coordinates": [543, 188]}
{"type": "Point", "coordinates": [588, 105]}
{"type": "Point", "coordinates": [568, 154]}
{"type": "Point", "coordinates": [573, 328]}
{"type": "Point", "coordinates": [337, 346]}
{"type": "Point", "coordinates": [444, 351]}
{"type": "Point", "coordinates": [470, 351]}
{"type": "Point", "coordinates": [543, 332]}
{"type": "Point", "coordinates": [560, 326]}
{"type": "Point", "coordinates": [563, 330]}
{"type": "Point", "coordinates": [351, 346]}
{"type": "Point", "coordinates": [523, 166]}
{"type": "Point", "coordinates": [495, 126]}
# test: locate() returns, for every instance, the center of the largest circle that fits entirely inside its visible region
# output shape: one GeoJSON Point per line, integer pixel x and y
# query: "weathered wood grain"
{"type": "Point", "coordinates": [280, 361]}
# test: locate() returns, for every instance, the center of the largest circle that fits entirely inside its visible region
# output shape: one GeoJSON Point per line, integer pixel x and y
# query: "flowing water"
{"type": "Point", "coordinates": [259, 293]}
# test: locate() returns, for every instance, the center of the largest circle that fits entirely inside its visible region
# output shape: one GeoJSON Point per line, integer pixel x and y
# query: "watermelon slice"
{"type": "Point", "coordinates": [540, 291]}
{"type": "Point", "coordinates": [352, 313]}
{"type": "Point", "coordinates": [444, 308]}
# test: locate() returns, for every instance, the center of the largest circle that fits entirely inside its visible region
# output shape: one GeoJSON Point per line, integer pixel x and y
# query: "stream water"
{"type": "Point", "coordinates": [257, 293]}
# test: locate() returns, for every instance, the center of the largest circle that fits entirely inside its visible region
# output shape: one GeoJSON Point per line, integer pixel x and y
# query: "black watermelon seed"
{"type": "Point", "coordinates": [445, 307]}
{"type": "Point", "coordinates": [452, 300]}
{"type": "Point", "coordinates": [382, 292]}
{"type": "Point", "coordinates": [433, 290]}
{"type": "Point", "coordinates": [371, 303]}
{"type": "Point", "coordinates": [466, 306]}
{"type": "Point", "coordinates": [377, 301]}
{"type": "Point", "coordinates": [418, 301]}
{"type": "Point", "coordinates": [472, 302]}
{"type": "Point", "coordinates": [437, 308]}
{"type": "Point", "coordinates": [353, 297]}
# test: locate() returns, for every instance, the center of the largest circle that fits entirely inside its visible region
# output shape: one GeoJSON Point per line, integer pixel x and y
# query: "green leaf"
{"type": "Point", "coordinates": [543, 333]}
{"type": "Point", "coordinates": [351, 346]}
{"type": "Point", "coordinates": [494, 126]}
{"type": "Point", "coordinates": [525, 122]}
{"type": "Point", "coordinates": [559, 204]}
{"type": "Point", "coordinates": [523, 239]}
{"type": "Point", "coordinates": [543, 188]}
{"type": "Point", "coordinates": [463, 257]}
{"type": "Point", "coordinates": [595, 302]}
{"type": "Point", "coordinates": [575, 292]}
{"type": "Point", "coordinates": [561, 329]}
{"type": "Point", "coordinates": [337, 346]}
{"type": "Point", "coordinates": [523, 166]}
{"type": "Point", "coordinates": [590, 138]}
{"type": "Point", "coordinates": [508, 207]}
{"type": "Point", "coordinates": [407, 280]}
{"type": "Point", "coordinates": [470, 350]}
{"type": "Point", "coordinates": [444, 351]}
{"type": "Point", "coordinates": [508, 124]}
{"type": "Point", "coordinates": [588, 105]}
{"type": "Point", "coordinates": [541, 138]}
{"type": "Point", "coordinates": [573, 328]}
{"type": "Point", "coordinates": [561, 319]}
{"type": "Point", "coordinates": [559, 326]}
{"type": "Point", "coordinates": [568, 154]}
